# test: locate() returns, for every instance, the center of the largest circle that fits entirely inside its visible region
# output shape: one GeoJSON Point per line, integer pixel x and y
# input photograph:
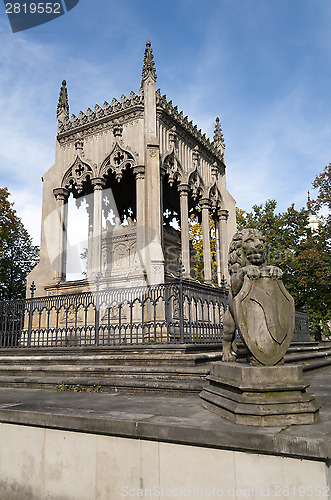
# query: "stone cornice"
{"type": "Point", "coordinates": [101, 115]}
{"type": "Point", "coordinates": [179, 119]}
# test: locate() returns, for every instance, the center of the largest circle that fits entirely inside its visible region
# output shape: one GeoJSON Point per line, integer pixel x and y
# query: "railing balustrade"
{"type": "Point", "coordinates": [177, 312]}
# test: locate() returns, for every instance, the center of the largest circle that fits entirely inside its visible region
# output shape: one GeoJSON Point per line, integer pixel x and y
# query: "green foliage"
{"type": "Point", "coordinates": [18, 255]}
{"type": "Point", "coordinates": [284, 232]}
{"type": "Point", "coordinates": [322, 183]}
{"type": "Point", "coordinates": [77, 388]}
{"type": "Point", "coordinates": [196, 237]}
{"type": "Point", "coordinates": [305, 258]}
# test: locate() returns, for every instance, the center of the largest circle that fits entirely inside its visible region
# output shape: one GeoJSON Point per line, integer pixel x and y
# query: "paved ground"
{"type": "Point", "coordinates": [167, 418]}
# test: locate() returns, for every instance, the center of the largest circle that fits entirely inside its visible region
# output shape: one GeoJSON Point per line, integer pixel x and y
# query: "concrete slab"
{"type": "Point", "coordinates": [179, 419]}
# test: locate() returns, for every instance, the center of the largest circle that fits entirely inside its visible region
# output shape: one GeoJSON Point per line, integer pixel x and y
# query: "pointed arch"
{"type": "Point", "coordinates": [215, 198]}
{"type": "Point", "coordinates": [171, 166]}
{"type": "Point", "coordinates": [196, 184]}
{"type": "Point", "coordinates": [80, 171]}
{"type": "Point", "coordinates": [117, 161]}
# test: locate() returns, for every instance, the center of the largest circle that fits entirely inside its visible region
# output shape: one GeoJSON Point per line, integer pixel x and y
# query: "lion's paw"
{"type": "Point", "coordinates": [228, 357]}
{"type": "Point", "coordinates": [253, 272]}
{"type": "Point", "coordinates": [275, 273]}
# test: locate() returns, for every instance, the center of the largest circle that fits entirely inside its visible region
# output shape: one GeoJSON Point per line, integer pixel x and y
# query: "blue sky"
{"type": "Point", "coordinates": [262, 66]}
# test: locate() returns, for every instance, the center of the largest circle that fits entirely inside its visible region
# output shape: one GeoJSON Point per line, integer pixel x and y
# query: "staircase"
{"type": "Point", "coordinates": [169, 369]}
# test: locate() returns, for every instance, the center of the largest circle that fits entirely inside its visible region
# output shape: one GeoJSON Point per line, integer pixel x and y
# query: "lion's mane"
{"type": "Point", "coordinates": [237, 257]}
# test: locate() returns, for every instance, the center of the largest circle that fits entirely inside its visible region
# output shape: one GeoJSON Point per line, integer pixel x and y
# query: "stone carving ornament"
{"type": "Point", "coordinates": [196, 184]}
{"type": "Point", "coordinates": [260, 308]}
{"type": "Point", "coordinates": [118, 160]}
{"type": "Point", "coordinates": [80, 171]}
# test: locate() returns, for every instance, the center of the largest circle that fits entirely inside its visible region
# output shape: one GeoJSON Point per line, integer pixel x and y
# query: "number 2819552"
{"type": "Point", "coordinates": [33, 8]}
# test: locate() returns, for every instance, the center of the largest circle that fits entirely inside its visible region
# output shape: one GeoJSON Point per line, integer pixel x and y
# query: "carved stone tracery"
{"type": "Point", "coordinates": [196, 184]}
{"type": "Point", "coordinates": [215, 198]}
{"type": "Point", "coordinates": [118, 160]}
{"type": "Point", "coordinates": [80, 171]}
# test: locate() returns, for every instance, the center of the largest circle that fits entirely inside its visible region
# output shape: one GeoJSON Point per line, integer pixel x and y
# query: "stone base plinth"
{"type": "Point", "coordinates": [267, 396]}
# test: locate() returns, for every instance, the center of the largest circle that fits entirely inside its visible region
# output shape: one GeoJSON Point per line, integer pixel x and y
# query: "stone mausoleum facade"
{"type": "Point", "coordinates": [143, 162]}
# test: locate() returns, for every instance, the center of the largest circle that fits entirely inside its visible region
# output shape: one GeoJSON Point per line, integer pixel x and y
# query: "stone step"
{"type": "Point", "coordinates": [166, 369]}
{"type": "Point", "coordinates": [121, 359]}
{"type": "Point", "coordinates": [141, 372]}
{"type": "Point", "coordinates": [106, 385]}
{"type": "Point", "coordinates": [173, 349]}
{"type": "Point", "coordinates": [294, 357]}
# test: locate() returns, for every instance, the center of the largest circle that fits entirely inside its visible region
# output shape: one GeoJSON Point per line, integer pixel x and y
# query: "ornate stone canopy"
{"type": "Point", "coordinates": [158, 167]}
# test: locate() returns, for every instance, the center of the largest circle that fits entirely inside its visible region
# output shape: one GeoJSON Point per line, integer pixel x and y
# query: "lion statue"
{"type": "Point", "coordinates": [247, 257]}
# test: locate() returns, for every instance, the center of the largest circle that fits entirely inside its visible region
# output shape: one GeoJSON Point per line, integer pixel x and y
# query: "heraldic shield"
{"type": "Point", "coordinates": [264, 314]}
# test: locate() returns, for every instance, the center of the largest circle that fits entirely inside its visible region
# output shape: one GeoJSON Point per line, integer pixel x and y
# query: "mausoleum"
{"type": "Point", "coordinates": [141, 168]}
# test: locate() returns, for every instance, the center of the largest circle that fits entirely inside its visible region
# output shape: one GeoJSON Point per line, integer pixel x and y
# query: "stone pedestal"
{"type": "Point", "coordinates": [266, 396]}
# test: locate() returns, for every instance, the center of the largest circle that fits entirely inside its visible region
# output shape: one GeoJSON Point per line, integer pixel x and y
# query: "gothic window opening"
{"type": "Point", "coordinates": [171, 206]}
{"type": "Point", "coordinates": [122, 203]}
{"type": "Point", "coordinates": [77, 235]}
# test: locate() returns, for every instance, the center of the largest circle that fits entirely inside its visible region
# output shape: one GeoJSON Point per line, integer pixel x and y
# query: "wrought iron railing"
{"type": "Point", "coordinates": [301, 329]}
{"type": "Point", "coordinates": [166, 313]}
{"type": "Point", "coordinates": [178, 312]}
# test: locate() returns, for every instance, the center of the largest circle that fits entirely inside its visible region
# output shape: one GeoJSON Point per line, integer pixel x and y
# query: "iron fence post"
{"type": "Point", "coordinates": [97, 306]}
{"type": "Point", "coordinates": [32, 290]}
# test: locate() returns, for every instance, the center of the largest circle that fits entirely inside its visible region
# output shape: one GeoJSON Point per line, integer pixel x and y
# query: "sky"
{"type": "Point", "coordinates": [262, 66]}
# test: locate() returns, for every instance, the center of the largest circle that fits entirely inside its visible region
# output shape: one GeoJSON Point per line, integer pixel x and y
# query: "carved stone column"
{"type": "Point", "coordinates": [221, 220]}
{"type": "Point", "coordinates": [184, 228]}
{"type": "Point", "coordinates": [98, 185]}
{"type": "Point", "coordinates": [61, 196]}
{"type": "Point", "coordinates": [204, 203]}
{"type": "Point", "coordinates": [218, 251]}
{"type": "Point", "coordinates": [89, 200]}
{"type": "Point", "coordinates": [154, 260]}
{"type": "Point", "coordinates": [139, 172]}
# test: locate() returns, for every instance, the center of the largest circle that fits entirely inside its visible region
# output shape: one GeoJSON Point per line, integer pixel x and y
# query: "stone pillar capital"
{"type": "Point", "coordinates": [222, 214]}
{"type": "Point", "coordinates": [139, 171]}
{"type": "Point", "coordinates": [183, 189]}
{"type": "Point", "coordinates": [98, 183]}
{"type": "Point", "coordinates": [204, 203]}
{"type": "Point", "coordinates": [61, 194]}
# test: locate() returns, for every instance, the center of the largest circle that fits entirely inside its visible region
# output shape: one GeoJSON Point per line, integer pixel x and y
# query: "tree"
{"type": "Point", "coordinates": [322, 183]}
{"type": "Point", "coordinates": [304, 257]}
{"type": "Point", "coordinates": [284, 233]}
{"type": "Point", "coordinates": [196, 237]}
{"type": "Point", "coordinates": [314, 281]}
{"type": "Point", "coordinates": [18, 255]}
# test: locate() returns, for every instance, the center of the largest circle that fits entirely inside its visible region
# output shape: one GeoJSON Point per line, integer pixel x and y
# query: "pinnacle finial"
{"type": "Point", "coordinates": [63, 100]}
{"type": "Point", "coordinates": [218, 136]}
{"type": "Point", "coordinates": [149, 65]}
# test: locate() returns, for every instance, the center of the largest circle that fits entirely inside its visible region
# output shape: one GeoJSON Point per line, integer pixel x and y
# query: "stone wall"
{"type": "Point", "coordinates": [38, 463]}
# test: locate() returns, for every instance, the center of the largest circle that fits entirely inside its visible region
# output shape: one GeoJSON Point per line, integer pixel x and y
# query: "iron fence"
{"type": "Point", "coordinates": [165, 313]}
{"type": "Point", "coordinates": [178, 312]}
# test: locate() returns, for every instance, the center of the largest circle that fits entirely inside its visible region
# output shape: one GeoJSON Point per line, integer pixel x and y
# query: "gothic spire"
{"type": "Point", "coordinates": [218, 135]}
{"type": "Point", "coordinates": [63, 105]}
{"type": "Point", "coordinates": [149, 65]}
